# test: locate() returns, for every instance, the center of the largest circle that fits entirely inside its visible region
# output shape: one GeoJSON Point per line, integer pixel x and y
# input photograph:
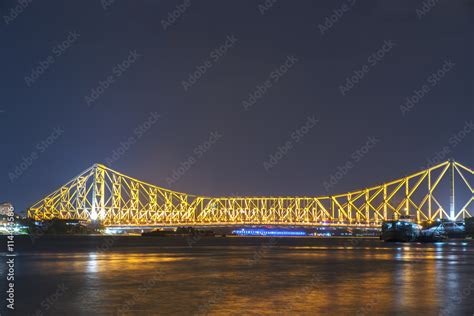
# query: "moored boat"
{"type": "Point", "coordinates": [401, 230]}
{"type": "Point", "coordinates": [179, 232]}
{"type": "Point", "coordinates": [469, 226]}
{"type": "Point", "coordinates": [454, 229]}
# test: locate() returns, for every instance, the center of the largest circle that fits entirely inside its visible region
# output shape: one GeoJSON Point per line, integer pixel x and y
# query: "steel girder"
{"type": "Point", "coordinates": [102, 194]}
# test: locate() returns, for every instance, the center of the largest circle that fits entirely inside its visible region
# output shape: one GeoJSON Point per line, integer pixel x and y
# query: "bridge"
{"type": "Point", "coordinates": [114, 199]}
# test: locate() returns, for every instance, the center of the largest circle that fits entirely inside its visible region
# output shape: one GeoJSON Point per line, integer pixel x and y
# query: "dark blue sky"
{"type": "Point", "coordinates": [44, 87]}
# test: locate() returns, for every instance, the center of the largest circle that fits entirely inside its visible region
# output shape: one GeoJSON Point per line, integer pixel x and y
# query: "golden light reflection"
{"type": "Point", "coordinates": [313, 279]}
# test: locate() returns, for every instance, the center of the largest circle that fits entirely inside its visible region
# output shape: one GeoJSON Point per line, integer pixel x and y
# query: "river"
{"type": "Point", "coordinates": [79, 275]}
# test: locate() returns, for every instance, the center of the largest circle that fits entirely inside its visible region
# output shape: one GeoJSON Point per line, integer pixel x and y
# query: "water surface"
{"type": "Point", "coordinates": [235, 276]}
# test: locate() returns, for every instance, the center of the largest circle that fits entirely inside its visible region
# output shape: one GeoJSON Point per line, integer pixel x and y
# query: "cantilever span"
{"type": "Point", "coordinates": [100, 193]}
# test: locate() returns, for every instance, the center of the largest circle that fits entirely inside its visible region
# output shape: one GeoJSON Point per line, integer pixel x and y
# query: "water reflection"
{"type": "Point", "coordinates": [92, 263]}
{"type": "Point", "coordinates": [232, 276]}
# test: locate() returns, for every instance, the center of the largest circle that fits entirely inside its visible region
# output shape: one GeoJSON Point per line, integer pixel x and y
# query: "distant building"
{"type": "Point", "coordinates": [8, 227]}
{"type": "Point", "coordinates": [5, 208]}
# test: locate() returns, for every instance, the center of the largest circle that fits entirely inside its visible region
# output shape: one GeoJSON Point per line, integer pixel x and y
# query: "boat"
{"type": "Point", "coordinates": [400, 230]}
{"type": "Point", "coordinates": [432, 232]}
{"type": "Point", "coordinates": [454, 229]}
{"type": "Point", "coordinates": [179, 232]}
{"type": "Point", "coordinates": [469, 225]}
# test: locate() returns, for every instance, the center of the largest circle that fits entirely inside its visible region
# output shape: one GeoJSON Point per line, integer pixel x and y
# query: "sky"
{"type": "Point", "coordinates": [227, 98]}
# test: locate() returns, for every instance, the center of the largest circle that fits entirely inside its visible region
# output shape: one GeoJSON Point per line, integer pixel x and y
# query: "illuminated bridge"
{"type": "Point", "coordinates": [102, 194]}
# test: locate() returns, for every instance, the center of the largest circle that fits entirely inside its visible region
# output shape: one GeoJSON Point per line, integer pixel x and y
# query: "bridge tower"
{"type": "Point", "coordinates": [452, 205]}
{"type": "Point", "coordinates": [115, 199]}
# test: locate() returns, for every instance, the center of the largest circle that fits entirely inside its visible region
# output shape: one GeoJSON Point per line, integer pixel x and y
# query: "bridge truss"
{"type": "Point", "coordinates": [105, 195]}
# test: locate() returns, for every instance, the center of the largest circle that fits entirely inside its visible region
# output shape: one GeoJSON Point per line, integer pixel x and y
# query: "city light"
{"type": "Point", "coordinates": [262, 232]}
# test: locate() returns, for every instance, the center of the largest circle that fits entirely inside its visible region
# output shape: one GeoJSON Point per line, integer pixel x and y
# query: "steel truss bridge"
{"type": "Point", "coordinates": [102, 194]}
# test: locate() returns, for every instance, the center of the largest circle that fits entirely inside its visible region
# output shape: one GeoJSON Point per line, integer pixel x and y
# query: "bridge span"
{"type": "Point", "coordinates": [102, 194]}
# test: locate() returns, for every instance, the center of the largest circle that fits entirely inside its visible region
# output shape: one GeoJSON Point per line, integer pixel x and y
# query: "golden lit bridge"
{"type": "Point", "coordinates": [114, 199]}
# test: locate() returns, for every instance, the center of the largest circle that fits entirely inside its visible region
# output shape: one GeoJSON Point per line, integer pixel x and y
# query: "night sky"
{"type": "Point", "coordinates": [216, 88]}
